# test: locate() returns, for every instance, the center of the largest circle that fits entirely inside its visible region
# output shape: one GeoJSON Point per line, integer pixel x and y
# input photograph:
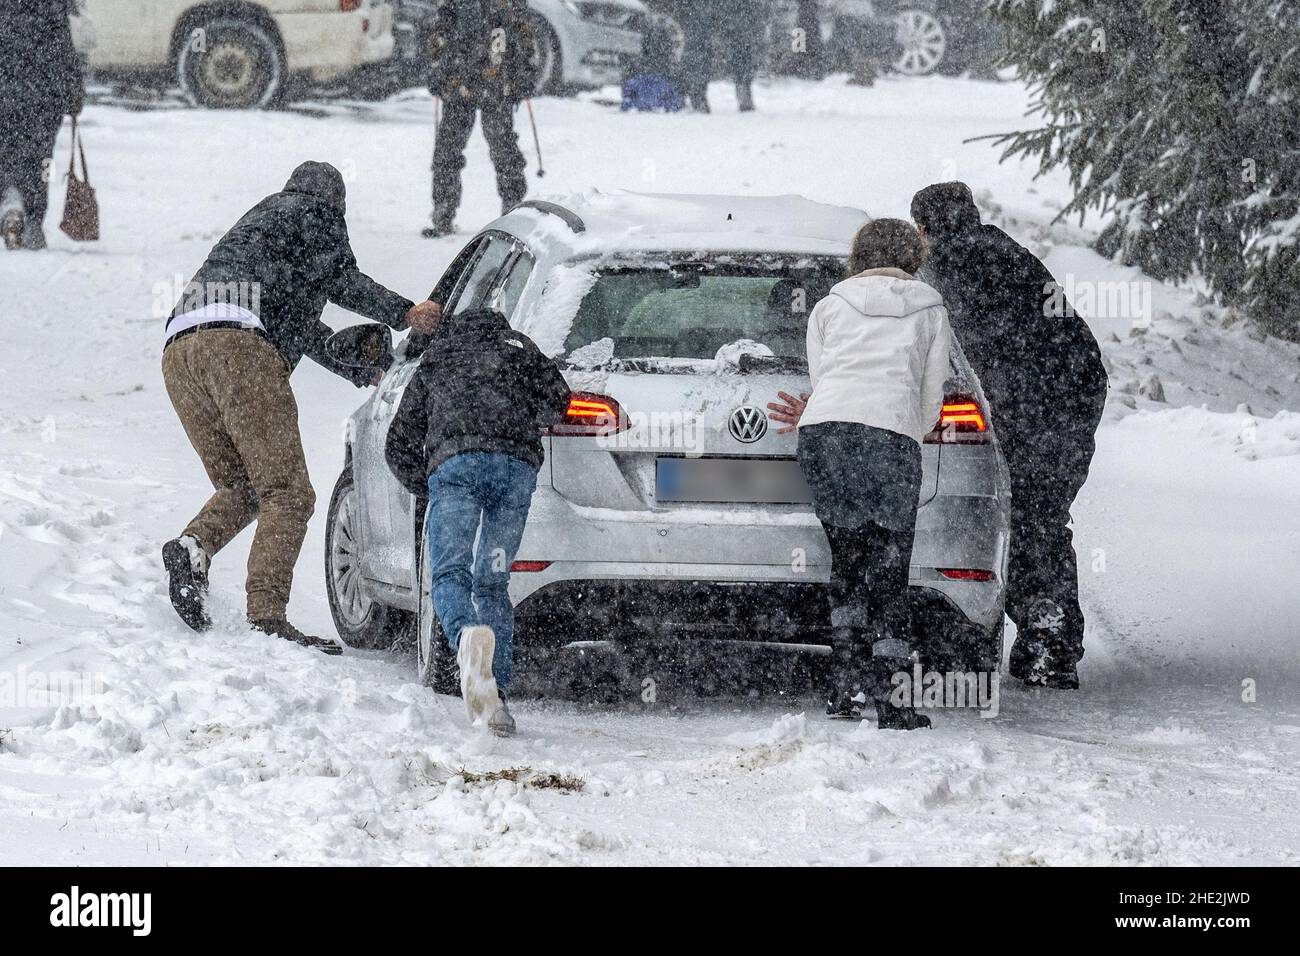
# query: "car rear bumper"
{"type": "Point", "coordinates": [328, 45]}
{"type": "Point", "coordinates": [590, 545]}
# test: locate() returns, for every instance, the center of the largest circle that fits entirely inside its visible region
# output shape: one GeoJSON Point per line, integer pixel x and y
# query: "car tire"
{"type": "Point", "coordinates": [241, 64]}
{"type": "Point", "coordinates": [547, 58]}
{"type": "Point", "coordinates": [926, 39]}
{"type": "Point", "coordinates": [435, 661]}
{"type": "Point", "coordinates": [361, 621]}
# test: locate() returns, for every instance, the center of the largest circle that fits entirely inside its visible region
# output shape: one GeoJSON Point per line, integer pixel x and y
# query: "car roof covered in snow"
{"type": "Point", "coordinates": [598, 223]}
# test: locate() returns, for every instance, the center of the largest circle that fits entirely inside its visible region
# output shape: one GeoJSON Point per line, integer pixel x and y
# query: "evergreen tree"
{"type": "Point", "coordinates": [1177, 117]}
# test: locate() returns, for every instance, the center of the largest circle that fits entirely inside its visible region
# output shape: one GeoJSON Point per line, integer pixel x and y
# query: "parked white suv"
{"type": "Point", "coordinates": [233, 53]}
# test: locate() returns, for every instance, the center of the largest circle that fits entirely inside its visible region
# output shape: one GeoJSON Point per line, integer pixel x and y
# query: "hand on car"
{"type": "Point", "coordinates": [788, 413]}
{"type": "Point", "coordinates": [424, 316]}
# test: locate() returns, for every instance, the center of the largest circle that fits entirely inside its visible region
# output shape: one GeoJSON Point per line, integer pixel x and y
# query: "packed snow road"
{"type": "Point", "coordinates": [158, 746]}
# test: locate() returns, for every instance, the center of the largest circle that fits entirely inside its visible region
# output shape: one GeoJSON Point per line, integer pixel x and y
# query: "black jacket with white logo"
{"type": "Point", "coordinates": [481, 386]}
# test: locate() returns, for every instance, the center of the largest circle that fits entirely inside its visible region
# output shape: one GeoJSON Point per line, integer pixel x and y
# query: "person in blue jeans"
{"type": "Point", "coordinates": [468, 431]}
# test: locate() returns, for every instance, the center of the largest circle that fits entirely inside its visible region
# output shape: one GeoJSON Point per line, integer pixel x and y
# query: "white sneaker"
{"type": "Point", "coordinates": [478, 687]}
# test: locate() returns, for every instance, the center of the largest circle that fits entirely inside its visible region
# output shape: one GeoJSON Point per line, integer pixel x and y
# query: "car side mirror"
{"type": "Point", "coordinates": [368, 346]}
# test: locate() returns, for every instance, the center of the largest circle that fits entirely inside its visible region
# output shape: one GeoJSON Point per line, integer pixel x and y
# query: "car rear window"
{"type": "Point", "coordinates": [691, 311]}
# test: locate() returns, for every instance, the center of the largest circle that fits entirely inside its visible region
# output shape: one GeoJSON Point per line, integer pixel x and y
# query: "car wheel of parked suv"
{"type": "Point", "coordinates": [228, 63]}
{"type": "Point", "coordinates": [547, 58]}
{"type": "Point", "coordinates": [361, 621]}
{"type": "Point", "coordinates": [435, 661]}
{"type": "Point", "coordinates": [923, 40]}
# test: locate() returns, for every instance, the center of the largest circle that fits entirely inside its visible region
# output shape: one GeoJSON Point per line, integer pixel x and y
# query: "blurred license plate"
{"type": "Point", "coordinates": [735, 480]}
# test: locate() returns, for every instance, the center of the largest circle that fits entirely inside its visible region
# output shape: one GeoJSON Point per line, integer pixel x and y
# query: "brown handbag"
{"type": "Point", "coordinates": [81, 208]}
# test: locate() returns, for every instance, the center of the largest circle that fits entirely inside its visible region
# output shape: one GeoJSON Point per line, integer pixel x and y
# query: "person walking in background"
{"type": "Point", "coordinates": [878, 356]}
{"type": "Point", "coordinates": [243, 323]}
{"type": "Point", "coordinates": [732, 31]}
{"type": "Point", "coordinates": [482, 64]}
{"type": "Point", "coordinates": [1042, 373]}
{"type": "Point", "coordinates": [41, 81]}
{"type": "Point", "coordinates": [467, 434]}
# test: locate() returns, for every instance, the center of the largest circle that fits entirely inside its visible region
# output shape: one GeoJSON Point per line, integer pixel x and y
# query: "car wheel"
{"type": "Point", "coordinates": [923, 40]}
{"type": "Point", "coordinates": [435, 662]}
{"type": "Point", "coordinates": [237, 65]}
{"type": "Point", "coordinates": [362, 622]}
{"type": "Point", "coordinates": [548, 61]}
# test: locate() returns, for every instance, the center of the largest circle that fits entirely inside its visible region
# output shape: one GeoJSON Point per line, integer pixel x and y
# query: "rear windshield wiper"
{"type": "Point", "coordinates": [772, 363]}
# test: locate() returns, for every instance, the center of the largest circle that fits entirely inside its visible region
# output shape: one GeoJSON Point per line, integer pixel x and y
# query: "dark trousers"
{"type": "Point", "coordinates": [865, 485]}
{"type": "Point", "coordinates": [1048, 464]}
{"type": "Point", "coordinates": [869, 567]}
{"type": "Point", "coordinates": [449, 153]}
{"type": "Point", "coordinates": [713, 36]}
{"type": "Point", "coordinates": [26, 148]}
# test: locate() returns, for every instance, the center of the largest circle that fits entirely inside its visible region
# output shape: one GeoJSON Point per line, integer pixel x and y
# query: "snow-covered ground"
{"type": "Point", "coordinates": [234, 748]}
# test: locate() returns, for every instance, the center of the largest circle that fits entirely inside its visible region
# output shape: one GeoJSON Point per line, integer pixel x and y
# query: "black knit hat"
{"type": "Point", "coordinates": [945, 208]}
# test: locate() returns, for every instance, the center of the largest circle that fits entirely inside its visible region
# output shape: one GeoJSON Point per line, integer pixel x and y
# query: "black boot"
{"type": "Point", "coordinates": [444, 224]}
{"type": "Point", "coordinates": [187, 581]}
{"type": "Point", "coordinates": [1041, 659]}
{"type": "Point", "coordinates": [891, 715]}
{"type": "Point", "coordinates": [850, 653]}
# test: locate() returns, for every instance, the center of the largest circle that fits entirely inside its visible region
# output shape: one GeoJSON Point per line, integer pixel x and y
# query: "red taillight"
{"type": "Point", "coordinates": [530, 567]}
{"type": "Point", "coordinates": [961, 422]}
{"type": "Point", "coordinates": [966, 574]}
{"type": "Point", "coordinates": [347, 6]}
{"type": "Point", "coordinates": [591, 414]}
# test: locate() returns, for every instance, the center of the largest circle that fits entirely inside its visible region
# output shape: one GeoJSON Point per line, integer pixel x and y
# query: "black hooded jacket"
{"type": "Point", "coordinates": [285, 259]}
{"type": "Point", "coordinates": [40, 71]}
{"type": "Point", "coordinates": [481, 386]}
{"type": "Point", "coordinates": [482, 50]}
{"type": "Point", "coordinates": [1037, 361]}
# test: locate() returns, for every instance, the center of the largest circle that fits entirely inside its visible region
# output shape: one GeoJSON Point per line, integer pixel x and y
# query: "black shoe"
{"type": "Point", "coordinates": [438, 230]}
{"type": "Point", "coordinates": [846, 706]}
{"type": "Point", "coordinates": [1040, 660]}
{"type": "Point", "coordinates": [187, 582]}
{"type": "Point", "coordinates": [889, 717]}
{"type": "Point", "coordinates": [850, 661]}
{"type": "Point", "coordinates": [278, 627]}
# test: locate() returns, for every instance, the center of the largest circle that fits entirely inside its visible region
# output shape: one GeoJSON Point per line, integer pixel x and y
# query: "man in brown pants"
{"type": "Point", "coordinates": [245, 320]}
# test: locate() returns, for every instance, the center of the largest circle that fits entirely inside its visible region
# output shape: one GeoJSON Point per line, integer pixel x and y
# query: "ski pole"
{"type": "Point", "coordinates": [537, 142]}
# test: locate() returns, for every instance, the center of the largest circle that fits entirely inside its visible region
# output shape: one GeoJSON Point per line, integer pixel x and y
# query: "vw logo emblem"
{"type": "Point", "coordinates": [747, 424]}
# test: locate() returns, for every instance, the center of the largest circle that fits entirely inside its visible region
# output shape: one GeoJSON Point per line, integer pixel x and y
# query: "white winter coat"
{"type": "Point", "coordinates": [878, 354]}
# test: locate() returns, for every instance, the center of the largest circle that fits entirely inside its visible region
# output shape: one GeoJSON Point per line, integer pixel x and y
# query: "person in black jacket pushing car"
{"type": "Point", "coordinates": [468, 432]}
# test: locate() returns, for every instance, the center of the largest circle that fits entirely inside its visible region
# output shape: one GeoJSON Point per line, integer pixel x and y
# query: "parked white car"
{"type": "Point", "coordinates": [233, 53]}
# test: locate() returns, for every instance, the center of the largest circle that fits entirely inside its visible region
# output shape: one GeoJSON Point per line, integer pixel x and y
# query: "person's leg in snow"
{"type": "Point", "coordinates": [1042, 571]}
{"type": "Point", "coordinates": [231, 391]}
{"type": "Point", "coordinates": [503, 148]}
{"type": "Point", "coordinates": [26, 154]}
{"type": "Point", "coordinates": [457, 124]}
{"type": "Point", "coordinates": [865, 482]}
{"type": "Point", "coordinates": [483, 496]}
{"type": "Point", "coordinates": [505, 516]}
